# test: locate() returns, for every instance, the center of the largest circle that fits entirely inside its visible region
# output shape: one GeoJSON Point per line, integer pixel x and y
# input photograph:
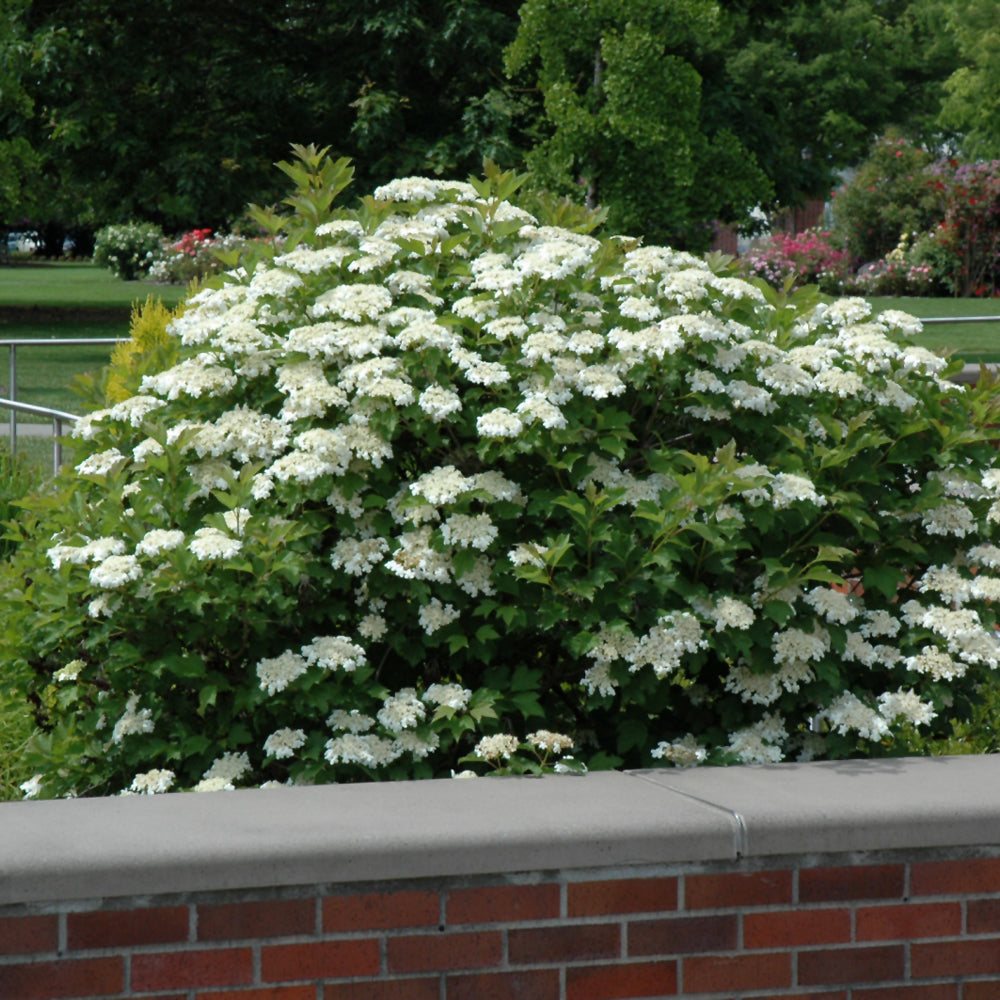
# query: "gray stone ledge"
{"type": "Point", "coordinates": [134, 846]}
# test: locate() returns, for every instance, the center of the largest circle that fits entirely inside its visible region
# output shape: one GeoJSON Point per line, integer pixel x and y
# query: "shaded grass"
{"type": "Point", "coordinates": [44, 372]}
{"type": "Point", "coordinates": [76, 285]}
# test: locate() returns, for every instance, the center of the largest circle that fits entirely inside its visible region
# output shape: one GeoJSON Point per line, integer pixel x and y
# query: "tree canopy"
{"type": "Point", "coordinates": [670, 113]}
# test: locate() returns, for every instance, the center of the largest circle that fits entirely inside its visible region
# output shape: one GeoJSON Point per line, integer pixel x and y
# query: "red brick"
{"type": "Point", "coordinates": [84, 977]}
{"type": "Point", "coordinates": [564, 944]}
{"type": "Point", "coordinates": [534, 984]}
{"type": "Point", "coordinates": [433, 952]}
{"type": "Point", "coordinates": [795, 928]}
{"type": "Point", "coordinates": [975, 876]}
{"type": "Point", "coordinates": [937, 991]}
{"type": "Point", "coordinates": [981, 990]}
{"type": "Point", "coordinates": [381, 910]}
{"type": "Point", "coordinates": [982, 916]}
{"type": "Point", "coordinates": [826, 885]}
{"type": "Point", "coordinates": [611, 982]}
{"type": "Point", "coordinates": [737, 890]}
{"type": "Point", "coordinates": [718, 973]}
{"type": "Point", "coordinates": [428, 988]}
{"type": "Point", "coordinates": [851, 965]}
{"type": "Point", "coordinates": [190, 969]}
{"type": "Point", "coordinates": [22, 935]}
{"type": "Point", "coordinates": [627, 895]}
{"type": "Point", "coordinates": [503, 902]}
{"type": "Point", "coordinates": [955, 958]}
{"type": "Point", "coordinates": [278, 918]}
{"type": "Point", "coordinates": [908, 921]}
{"type": "Point", "coordinates": [124, 928]}
{"type": "Point", "coordinates": [265, 993]}
{"type": "Point", "coordinates": [320, 960]}
{"type": "Point", "coordinates": [682, 935]}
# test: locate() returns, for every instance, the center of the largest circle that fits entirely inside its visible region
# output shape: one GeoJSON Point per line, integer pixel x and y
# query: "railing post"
{"type": "Point", "coordinates": [12, 367]}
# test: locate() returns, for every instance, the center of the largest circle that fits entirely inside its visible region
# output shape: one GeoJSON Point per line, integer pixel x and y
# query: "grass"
{"type": "Point", "coordinates": [76, 285]}
{"type": "Point", "coordinates": [975, 342]}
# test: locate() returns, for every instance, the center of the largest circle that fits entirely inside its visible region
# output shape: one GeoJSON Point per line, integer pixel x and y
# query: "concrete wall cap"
{"type": "Point", "coordinates": [129, 846]}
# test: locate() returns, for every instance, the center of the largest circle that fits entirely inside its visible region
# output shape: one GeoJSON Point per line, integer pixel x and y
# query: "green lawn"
{"type": "Point", "coordinates": [75, 284]}
{"type": "Point", "coordinates": [973, 341]}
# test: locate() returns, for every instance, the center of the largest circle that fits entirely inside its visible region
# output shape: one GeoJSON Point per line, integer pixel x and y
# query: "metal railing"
{"type": "Point", "coordinates": [58, 417]}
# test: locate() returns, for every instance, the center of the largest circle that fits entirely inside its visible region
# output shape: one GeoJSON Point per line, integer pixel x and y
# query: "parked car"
{"type": "Point", "coordinates": [22, 242]}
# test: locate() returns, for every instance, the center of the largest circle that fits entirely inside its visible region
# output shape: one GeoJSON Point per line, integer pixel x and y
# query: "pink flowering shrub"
{"type": "Point", "coordinates": [437, 485]}
{"type": "Point", "coordinates": [196, 255]}
{"type": "Point", "coordinates": [802, 259]}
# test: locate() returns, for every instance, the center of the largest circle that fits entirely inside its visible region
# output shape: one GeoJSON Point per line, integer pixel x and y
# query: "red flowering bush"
{"type": "Point", "coordinates": [808, 258]}
{"type": "Point", "coordinates": [968, 237]}
{"type": "Point", "coordinates": [193, 257]}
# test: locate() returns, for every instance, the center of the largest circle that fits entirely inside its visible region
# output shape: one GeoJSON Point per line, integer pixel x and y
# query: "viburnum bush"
{"type": "Point", "coordinates": [803, 258]}
{"type": "Point", "coordinates": [436, 486]}
{"type": "Point", "coordinates": [127, 250]}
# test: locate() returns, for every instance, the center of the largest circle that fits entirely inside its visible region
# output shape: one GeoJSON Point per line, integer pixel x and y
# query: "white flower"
{"type": "Point", "coordinates": [70, 672]}
{"type": "Point", "coordinates": [834, 605]}
{"type": "Point", "coordinates": [435, 615]}
{"type": "Point", "coordinates": [475, 531]}
{"type": "Point", "coordinates": [402, 710]}
{"type": "Point", "coordinates": [102, 463]}
{"type": "Point", "coordinates": [211, 543]}
{"type": "Point", "coordinates": [152, 782]}
{"type": "Point", "coordinates": [276, 673]}
{"type": "Point", "coordinates": [499, 423]}
{"type": "Point", "coordinates": [159, 540]}
{"type": "Point", "coordinates": [133, 720]}
{"type": "Point", "coordinates": [284, 742]}
{"type": "Point", "coordinates": [439, 403]}
{"type": "Point", "coordinates": [115, 572]}
{"type": "Point", "coordinates": [372, 627]}
{"type": "Point", "coordinates": [684, 752]}
{"type": "Point", "coordinates": [449, 695]}
{"type": "Point", "coordinates": [31, 788]}
{"type": "Point", "coordinates": [441, 485]}
{"type": "Point", "coordinates": [354, 302]}
{"type": "Point", "coordinates": [352, 721]}
{"type": "Point", "coordinates": [949, 519]}
{"type": "Point", "coordinates": [495, 747]}
{"type": "Point", "coordinates": [229, 767]}
{"type": "Point", "coordinates": [214, 785]}
{"type": "Point", "coordinates": [761, 742]}
{"type": "Point", "coordinates": [906, 704]}
{"type": "Point", "coordinates": [847, 712]}
{"type": "Point", "coordinates": [731, 613]}
{"type": "Point", "coordinates": [367, 750]}
{"type": "Point", "coordinates": [334, 652]}
{"type": "Point", "coordinates": [358, 556]}
{"type": "Point", "coordinates": [544, 739]}
{"type": "Point", "coordinates": [788, 489]}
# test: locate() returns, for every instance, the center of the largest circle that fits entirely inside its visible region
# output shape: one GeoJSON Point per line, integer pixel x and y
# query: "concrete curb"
{"type": "Point", "coordinates": [132, 846]}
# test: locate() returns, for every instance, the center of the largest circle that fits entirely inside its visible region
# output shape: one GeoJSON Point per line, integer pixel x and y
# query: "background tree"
{"type": "Point", "coordinates": [809, 84]}
{"type": "Point", "coordinates": [174, 110]}
{"type": "Point", "coordinates": [623, 118]}
{"type": "Point", "coordinates": [972, 105]}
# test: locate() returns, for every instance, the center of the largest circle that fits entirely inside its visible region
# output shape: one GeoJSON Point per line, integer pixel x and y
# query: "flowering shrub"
{"type": "Point", "coordinates": [127, 250]}
{"type": "Point", "coordinates": [969, 233]}
{"type": "Point", "coordinates": [889, 194]}
{"type": "Point", "coordinates": [805, 258]}
{"type": "Point", "coordinates": [435, 485]}
{"type": "Point", "coordinates": [193, 257]}
{"type": "Point", "coordinates": [903, 271]}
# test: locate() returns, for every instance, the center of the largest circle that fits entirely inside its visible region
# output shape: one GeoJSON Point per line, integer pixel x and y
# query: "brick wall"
{"type": "Point", "coordinates": [914, 923]}
{"type": "Point", "coordinates": [911, 929]}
